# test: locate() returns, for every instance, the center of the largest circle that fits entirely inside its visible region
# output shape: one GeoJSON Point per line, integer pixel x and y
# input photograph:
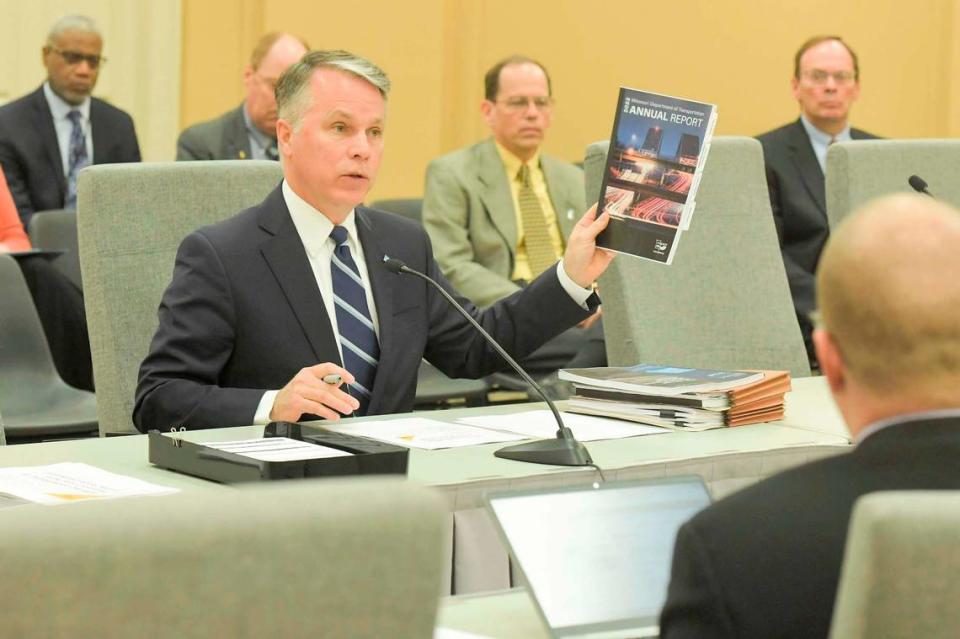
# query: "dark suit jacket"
{"type": "Point", "coordinates": [30, 154]}
{"type": "Point", "coordinates": [243, 315]}
{"type": "Point", "coordinates": [765, 562]}
{"type": "Point", "coordinates": [223, 138]}
{"type": "Point", "coordinates": [798, 198]}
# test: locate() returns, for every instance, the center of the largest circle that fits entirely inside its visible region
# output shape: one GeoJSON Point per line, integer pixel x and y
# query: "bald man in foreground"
{"type": "Point", "coordinates": [765, 562]}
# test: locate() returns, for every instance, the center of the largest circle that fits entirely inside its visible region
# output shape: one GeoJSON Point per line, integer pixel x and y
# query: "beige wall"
{"type": "Point", "coordinates": [736, 53]}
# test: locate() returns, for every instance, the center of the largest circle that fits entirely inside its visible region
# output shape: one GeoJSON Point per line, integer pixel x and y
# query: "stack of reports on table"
{"type": "Point", "coordinates": [678, 398]}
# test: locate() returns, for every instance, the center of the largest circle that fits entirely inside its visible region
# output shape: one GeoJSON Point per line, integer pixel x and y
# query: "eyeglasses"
{"type": "Point", "coordinates": [75, 57]}
{"type": "Point", "coordinates": [520, 103]}
{"type": "Point", "coordinates": [819, 77]}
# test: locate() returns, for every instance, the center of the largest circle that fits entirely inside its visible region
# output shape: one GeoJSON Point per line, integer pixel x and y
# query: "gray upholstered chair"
{"type": "Point", "coordinates": [57, 229]}
{"type": "Point", "coordinates": [900, 568]}
{"type": "Point", "coordinates": [861, 170]}
{"type": "Point", "coordinates": [3, 433]}
{"type": "Point", "coordinates": [410, 208]}
{"type": "Point", "coordinates": [724, 302]}
{"type": "Point", "coordinates": [311, 558]}
{"type": "Point", "coordinates": [131, 219]}
{"type": "Point", "coordinates": [36, 402]}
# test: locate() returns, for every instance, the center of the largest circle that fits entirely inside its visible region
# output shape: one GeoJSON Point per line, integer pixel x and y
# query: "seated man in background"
{"type": "Point", "coordinates": [249, 131]}
{"type": "Point", "coordinates": [826, 83]}
{"type": "Point", "coordinates": [265, 307]}
{"type": "Point", "coordinates": [765, 562]}
{"type": "Point", "coordinates": [499, 212]}
{"type": "Point", "coordinates": [58, 301]}
{"type": "Point", "coordinates": [48, 135]}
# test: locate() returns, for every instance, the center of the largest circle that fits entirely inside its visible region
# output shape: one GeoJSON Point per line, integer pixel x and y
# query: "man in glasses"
{"type": "Point", "coordinates": [248, 131]}
{"type": "Point", "coordinates": [826, 83]}
{"type": "Point", "coordinates": [499, 212]}
{"type": "Point", "coordinates": [49, 135]}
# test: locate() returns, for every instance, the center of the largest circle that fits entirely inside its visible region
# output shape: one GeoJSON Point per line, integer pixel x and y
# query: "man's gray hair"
{"type": "Point", "coordinates": [72, 23]}
{"type": "Point", "coordinates": [293, 96]}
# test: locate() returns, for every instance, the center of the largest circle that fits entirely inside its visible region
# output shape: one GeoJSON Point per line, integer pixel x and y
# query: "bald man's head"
{"type": "Point", "coordinates": [888, 288]}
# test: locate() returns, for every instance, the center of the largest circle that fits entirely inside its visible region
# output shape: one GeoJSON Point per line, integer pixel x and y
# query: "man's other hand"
{"type": "Point", "coordinates": [582, 260]}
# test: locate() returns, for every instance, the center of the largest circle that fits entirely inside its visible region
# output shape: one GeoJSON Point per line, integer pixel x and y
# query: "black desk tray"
{"type": "Point", "coordinates": [369, 457]}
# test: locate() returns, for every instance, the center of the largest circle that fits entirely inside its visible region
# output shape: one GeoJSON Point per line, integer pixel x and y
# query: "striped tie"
{"type": "Point", "coordinates": [358, 340]}
{"type": "Point", "coordinates": [77, 158]}
{"type": "Point", "coordinates": [536, 239]}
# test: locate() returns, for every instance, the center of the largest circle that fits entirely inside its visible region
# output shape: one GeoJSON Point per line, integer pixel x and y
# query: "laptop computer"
{"type": "Point", "coordinates": [597, 558]}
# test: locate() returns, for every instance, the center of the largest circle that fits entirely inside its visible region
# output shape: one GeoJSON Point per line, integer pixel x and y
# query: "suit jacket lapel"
{"type": "Point", "coordinates": [382, 282]}
{"type": "Point", "coordinates": [563, 204]}
{"type": "Point", "coordinates": [102, 135]}
{"type": "Point", "coordinates": [237, 140]}
{"type": "Point", "coordinates": [495, 193]}
{"type": "Point", "coordinates": [810, 172]}
{"type": "Point", "coordinates": [43, 122]}
{"type": "Point", "coordinates": [288, 261]}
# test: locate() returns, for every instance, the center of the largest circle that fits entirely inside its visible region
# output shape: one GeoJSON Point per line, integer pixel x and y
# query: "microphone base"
{"type": "Point", "coordinates": [556, 452]}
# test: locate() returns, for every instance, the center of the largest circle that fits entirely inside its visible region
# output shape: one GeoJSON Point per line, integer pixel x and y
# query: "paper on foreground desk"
{"type": "Point", "coordinates": [727, 459]}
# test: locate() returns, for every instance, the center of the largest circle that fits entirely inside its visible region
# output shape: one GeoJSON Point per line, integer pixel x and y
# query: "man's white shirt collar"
{"type": "Point", "coordinates": [820, 141]}
{"type": "Point", "coordinates": [314, 227]}
{"type": "Point", "coordinates": [59, 108]}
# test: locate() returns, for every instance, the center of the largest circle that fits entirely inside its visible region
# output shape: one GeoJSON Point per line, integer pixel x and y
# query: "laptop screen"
{"type": "Point", "coordinates": [598, 558]}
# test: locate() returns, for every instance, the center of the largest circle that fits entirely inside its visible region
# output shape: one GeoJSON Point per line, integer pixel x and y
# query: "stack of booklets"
{"type": "Point", "coordinates": [657, 152]}
{"type": "Point", "coordinates": [678, 398]}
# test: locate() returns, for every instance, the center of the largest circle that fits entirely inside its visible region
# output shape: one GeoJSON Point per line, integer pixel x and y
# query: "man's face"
{"type": "Point", "coordinates": [71, 78]}
{"type": "Point", "coordinates": [331, 159]}
{"type": "Point", "coordinates": [261, 83]}
{"type": "Point", "coordinates": [826, 88]}
{"type": "Point", "coordinates": [520, 115]}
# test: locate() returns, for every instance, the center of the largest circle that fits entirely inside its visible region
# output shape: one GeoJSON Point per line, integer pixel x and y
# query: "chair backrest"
{"type": "Point", "coordinates": [311, 558]}
{"type": "Point", "coordinates": [861, 170]}
{"type": "Point", "coordinates": [410, 208]}
{"type": "Point", "coordinates": [57, 229]}
{"type": "Point", "coordinates": [724, 302]}
{"type": "Point", "coordinates": [131, 219]}
{"type": "Point", "coordinates": [900, 569]}
{"type": "Point", "coordinates": [25, 359]}
{"type": "Point", "coordinates": [3, 434]}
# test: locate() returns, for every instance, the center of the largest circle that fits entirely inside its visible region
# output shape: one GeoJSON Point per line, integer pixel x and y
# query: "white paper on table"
{"type": "Point", "coordinates": [418, 432]}
{"type": "Point", "coordinates": [277, 449]}
{"type": "Point", "coordinates": [540, 424]}
{"type": "Point", "coordinates": [70, 482]}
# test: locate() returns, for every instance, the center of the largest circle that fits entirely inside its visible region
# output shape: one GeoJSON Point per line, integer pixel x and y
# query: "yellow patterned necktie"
{"type": "Point", "coordinates": [536, 239]}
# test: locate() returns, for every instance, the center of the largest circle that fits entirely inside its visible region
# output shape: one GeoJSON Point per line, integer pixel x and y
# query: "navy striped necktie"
{"type": "Point", "coordinates": [77, 157]}
{"type": "Point", "coordinates": [358, 340]}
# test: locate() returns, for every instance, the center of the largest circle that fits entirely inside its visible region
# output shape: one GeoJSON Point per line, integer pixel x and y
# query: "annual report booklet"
{"type": "Point", "coordinates": [657, 152]}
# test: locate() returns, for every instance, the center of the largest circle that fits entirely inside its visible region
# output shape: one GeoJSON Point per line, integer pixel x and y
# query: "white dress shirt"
{"type": "Point", "coordinates": [59, 108]}
{"type": "Point", "coordinates": [821, 141]}
{"type": "Point", "coordinates": [314, 229]}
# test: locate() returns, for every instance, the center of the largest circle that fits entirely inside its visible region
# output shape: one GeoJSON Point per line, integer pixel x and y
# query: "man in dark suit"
{"type": "Point", "coordinates": [249, 131]}
{"type": "Point", "coordinates": [267, 307]}
{"type": "Point", "coordinates": [47, 136]}
{"type": "Point", "coordinates": [765, 562]}
{"type": "Point", "coordinates": [826, 82]}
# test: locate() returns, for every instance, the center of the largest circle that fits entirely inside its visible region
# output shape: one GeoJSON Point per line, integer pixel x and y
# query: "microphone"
{"type": "Point", "coordinates": [919, 185]}
{"type": "Point", "coordinates": [564, 449]}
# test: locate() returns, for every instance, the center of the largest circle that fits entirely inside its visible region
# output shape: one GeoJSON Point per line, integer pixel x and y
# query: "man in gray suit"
{"type": "Point", "coordinates": [249, 131]}
{"type": "Point", "coordinates": [499, 212]}
{"type": "Point", "coordinates": [826, 83]}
